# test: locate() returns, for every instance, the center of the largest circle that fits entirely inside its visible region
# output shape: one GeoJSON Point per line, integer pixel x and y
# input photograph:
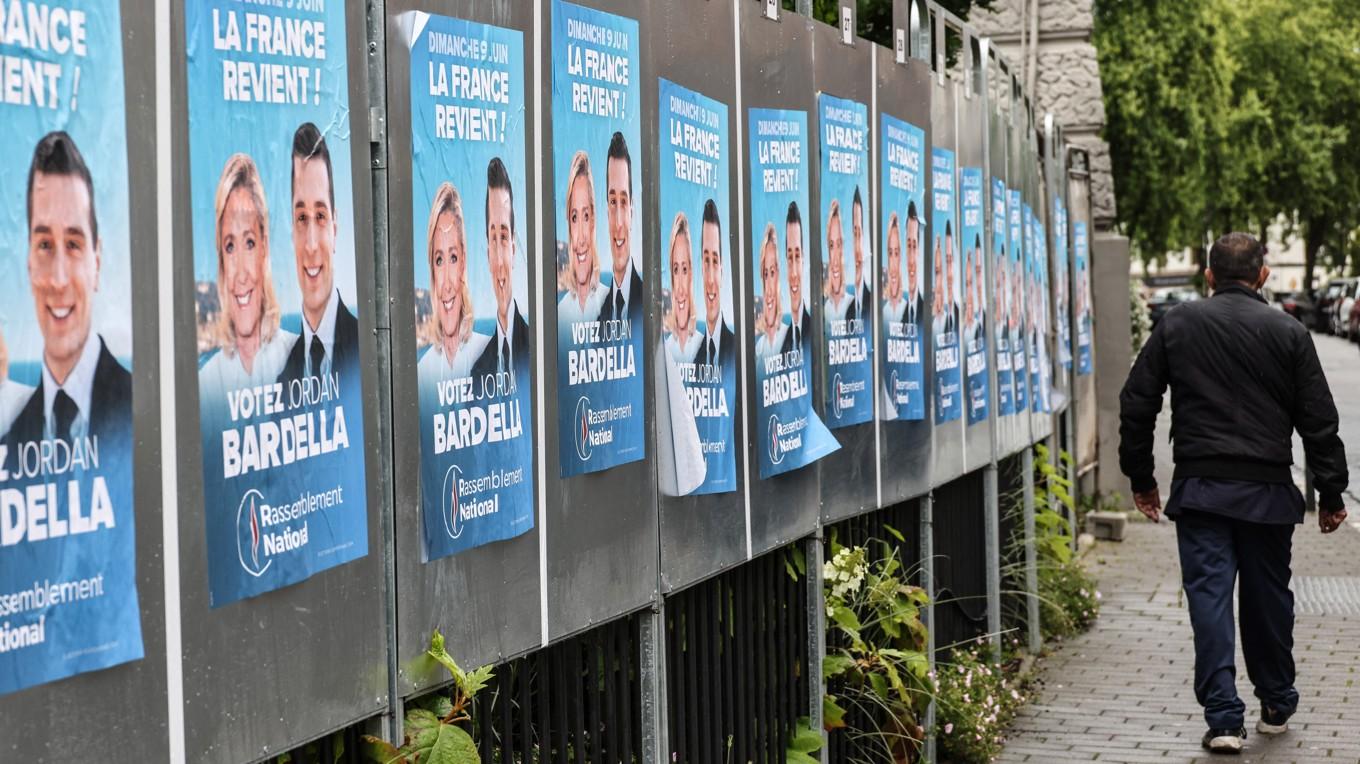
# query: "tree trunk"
{"type": "Point", "coordinates": [1315, 231]}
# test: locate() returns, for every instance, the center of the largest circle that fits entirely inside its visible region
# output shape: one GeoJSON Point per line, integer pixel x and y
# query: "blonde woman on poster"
{"type": "Point", "coordinates": [455, 346]}
{"type": "Point", "coordinates": [253, 347]}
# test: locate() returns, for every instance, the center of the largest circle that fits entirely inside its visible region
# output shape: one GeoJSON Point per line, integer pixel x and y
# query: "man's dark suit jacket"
{"type": "Point", "coordinates": [110, 414]}
{"type": "Point", "coordinates": [344, 347]}
{"type": "Point", "coordinates": [804, 334]}
{"type": "Point", "coordinates": [489, 361]}
{"type": "Point", "coordinates": [866, 306]}
{"type": "Point", "coordinates": [634, 307]}
{"type": "Point", "coordinates": [726, 342]}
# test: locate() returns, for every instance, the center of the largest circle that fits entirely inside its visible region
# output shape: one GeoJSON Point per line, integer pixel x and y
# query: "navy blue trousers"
{"type": "Point", "coordinates": [1214, 551]}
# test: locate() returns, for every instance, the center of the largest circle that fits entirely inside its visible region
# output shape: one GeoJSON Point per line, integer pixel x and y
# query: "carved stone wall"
{"type": "Point", "coordinates": [1068, 82]}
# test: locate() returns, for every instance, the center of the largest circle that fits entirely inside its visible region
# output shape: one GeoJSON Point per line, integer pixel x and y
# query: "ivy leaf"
{"type": "Point", "coordinates": [833, 716]}
{"type": "Point", "coordinates": [441, 655]}
{"type": "Point", "coordinates": [805, 739]}
{"type": "Point", "coordinates": [895, 533]}
{"type": "Point", "coordinates": [453, 745]}
{"type": "Point", "coordinates": [799, 560]}
{"type": "Point", "coordinates": [477, 680]}
{"type": "Point", "coordinates": [798, 757]}
{"type": "Point", "coordinates": [879, 684]}
{"type": "Point", "coordinates": [338, 745]}
{"type": "Point", "coordinates": [379, 750]}
{"type": "Point", "coordinates": [835, 665]}
{"type": "Point", "coordinates": [846, 619]}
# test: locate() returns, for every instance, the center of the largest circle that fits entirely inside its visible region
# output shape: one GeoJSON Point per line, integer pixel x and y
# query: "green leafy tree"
{"type": "Point", "coordinates": [1167, 82]}
{"type": "Point", "coordinates": [874, 17]}
{"type": "Point", "coordinates": [1229, 115]}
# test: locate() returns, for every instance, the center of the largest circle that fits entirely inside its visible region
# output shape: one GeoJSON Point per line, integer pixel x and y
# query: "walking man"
{"type": "Point", "coordinates": [1243, 378]}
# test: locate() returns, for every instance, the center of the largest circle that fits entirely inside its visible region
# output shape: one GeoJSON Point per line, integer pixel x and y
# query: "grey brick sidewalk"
{"type": "Point", "coordinates": [1123, 692]}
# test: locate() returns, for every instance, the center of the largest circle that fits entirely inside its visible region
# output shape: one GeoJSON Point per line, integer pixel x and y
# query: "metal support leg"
{"type": "Point", "coordinates": [1031, 562]}
{"type": "Point", "coordinates": [991, 522]}
{"type": "Point", "coordinates": [928, 583]}
{"type": "Point", "coordinates": [816, 634]}
{"type": "Point", "coordinates": [377, 120]}
{"type": "Point", "coordinates": [655, 733]}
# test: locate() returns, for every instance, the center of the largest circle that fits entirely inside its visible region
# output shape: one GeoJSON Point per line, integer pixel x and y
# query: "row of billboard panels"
{"type": "Point", "coordinates": [648, 319]}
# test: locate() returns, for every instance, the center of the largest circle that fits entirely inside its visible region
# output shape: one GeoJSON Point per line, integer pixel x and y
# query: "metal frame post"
{"type": "Point", "coordinates": [652, 662]}
{"type": "Point", "coordinates": [376, 13]}
{"type": "Point", "coordinates": [992, 500]}
{"type": "Point", "coordinates": [927, 509]}
{"type": "Point", "coordinates": [816, 631]}
{"type": "Point", "coordinates": [1031, 570]}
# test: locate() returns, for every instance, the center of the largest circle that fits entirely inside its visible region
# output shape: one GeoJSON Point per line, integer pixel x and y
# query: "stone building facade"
{"type": "Point", "coordinates": [1068, 81]}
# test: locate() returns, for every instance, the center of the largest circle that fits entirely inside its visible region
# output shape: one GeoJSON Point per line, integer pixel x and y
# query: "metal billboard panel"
{"type": "Point", "coordinates": [486, 599]}
{"type": "Point", "coordinates": [948, 451]}
{"type": "Point", "coordinates": [1041, 356]}
{"type": "Point", "coordinates": [599, 528]}
{"type": "Point", "coordinates": [702, 532]}
{"type": "Point", "coordinates": [775, 72]}
{"type": "Point", "coordinates": [255, 682]}
{"type": "Point", "coordinates": [905, 460]}
{"type": "Point", "coordinates": [979, 390]}
{"type": "Point", "coordinates": [1081, 231]}
{"type": "Point", "coordinates": [849, 477]}
{"type": "Point", "coordinates": [122, 708]}
{"type": "Point", "coordinates": [1011, 428]}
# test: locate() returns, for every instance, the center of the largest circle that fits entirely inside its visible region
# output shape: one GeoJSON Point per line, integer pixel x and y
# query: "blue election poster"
{"type": "Point", "coordinates": [1002, 305]}
{"type": "Point", "coordinates": [946, 308]}
{"type": "Point", "coordinates": [597, 127]}
{"type": "Point", "coordinates": [698, 455]}
{"type": "Point", "coordinates": [974, 295]}
{"type": "Point", "coordinates": [1019, 320]}
{"type": "Point", "coordinates": [1060, 287]}
{"type": "Point", "coordinates": [786, 423]}
{"type": "Point", "coordinates": [68, 568]}
{"type": "Point", "coordinates": [1082, 244]}
{"type": "Point", "coordinates": [471, 286]}
{"type": "Point", "coordinates": [847, 282]}
{"type": "Point", "coordinates": [1041, 318]}
{"type": "Point", "coordinates": [280, 401]}
{"type": "Point", "coordinates": [904, 305]}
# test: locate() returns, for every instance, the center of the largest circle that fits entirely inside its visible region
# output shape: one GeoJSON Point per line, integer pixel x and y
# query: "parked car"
{"type": "Point", "coordinates": [1326, 305]}
{"type": "Point", "coordinates": [1299, 304]}
{"type": "Point", "coordinates": [1165, 299]}
{"type": "Point", "coordinates": [1353, 321]}
{"type": "Point", "coordinates": [1341, 306]}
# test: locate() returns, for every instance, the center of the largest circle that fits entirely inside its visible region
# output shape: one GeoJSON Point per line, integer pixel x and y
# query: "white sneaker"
{"type": "Point", "coordinates": [1272, 723]}
{"type": "Point", "coordinates": [1224, 740]}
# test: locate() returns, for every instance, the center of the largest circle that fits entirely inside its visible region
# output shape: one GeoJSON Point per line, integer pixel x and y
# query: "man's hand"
{"type": "Point", "coordinates": [1150, 504]}
{"type": "Point", "coordinates": [1330, 521]}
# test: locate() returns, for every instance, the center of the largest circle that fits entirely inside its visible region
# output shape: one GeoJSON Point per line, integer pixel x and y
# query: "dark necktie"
{"type": "Point", "coordinates": [618, 304]}
{"type": "Point", "coordinates": [318, 352]}
{"type": "Point", "coordinates": [712, 351]}
{"type": "Point", "coordinates": [797, 340]}
{"type": "Point", "coordinates": [505, 354]}
{"type": "Point", "coordinates": [64, 412]}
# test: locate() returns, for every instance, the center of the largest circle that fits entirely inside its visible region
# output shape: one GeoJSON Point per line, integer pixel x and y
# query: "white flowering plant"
{"type": "Point", "coordinates": [975, 702]}
{"type": "Point", "coordinates": [876, 666]}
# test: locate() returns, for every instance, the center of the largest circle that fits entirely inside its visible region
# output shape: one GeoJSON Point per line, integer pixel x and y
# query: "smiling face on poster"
{"type": "Point", "coordinates": [280, 399]}
{"type": "Point", "coordinates": [903, 302]}
{"type": "Point", "coordinates": [975, 288]}
{"type": "Point", "coordinates": [68, 586]}
{"type": "Point", "coordinates": [946, 310]}
{"type": "Point", "coordinates": [792, 435]}
{"type": "Point", "coordinates": [848, 308]}
{"type": "Point", "coordinates": [696, 291]}
{"type": "Point", "coordinates": [597, 134]}
{"type": "Point", "coordinates": [474, 374]}
{"type": "Point", "coordinates": [1019, 321]}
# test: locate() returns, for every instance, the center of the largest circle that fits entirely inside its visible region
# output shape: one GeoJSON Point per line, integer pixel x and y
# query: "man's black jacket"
{"type": "Point", "coordinates": [1243, 377]}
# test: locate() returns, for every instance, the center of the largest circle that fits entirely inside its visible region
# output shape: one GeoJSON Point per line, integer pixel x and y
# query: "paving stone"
{"type": "Point", "coordinates": [1123, 692]}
